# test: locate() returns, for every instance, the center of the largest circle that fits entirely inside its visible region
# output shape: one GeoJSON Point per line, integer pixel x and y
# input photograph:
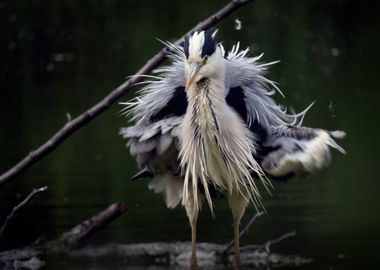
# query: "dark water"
{"type": "Point", "coordinates": [60, 57]}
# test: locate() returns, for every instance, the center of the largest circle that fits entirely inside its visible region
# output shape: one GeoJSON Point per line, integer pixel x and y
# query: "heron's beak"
{"type": "Point", "coordinates": [194, 68]}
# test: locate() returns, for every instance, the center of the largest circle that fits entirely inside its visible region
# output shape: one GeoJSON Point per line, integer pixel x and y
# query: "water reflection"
{"type": "Point", "coordinates": [59, 58]}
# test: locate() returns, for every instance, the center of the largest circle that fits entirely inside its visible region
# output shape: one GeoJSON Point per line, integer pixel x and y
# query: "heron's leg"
{"type": "Point", "coordinates": [237, 204]}
{"type": "Point", "coordinates": [194, 264]}
{"type": "Point", "coordinates": [192, 214]}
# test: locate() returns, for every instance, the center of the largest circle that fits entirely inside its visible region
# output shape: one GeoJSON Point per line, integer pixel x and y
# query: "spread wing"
{"type": "Point", "coordinates": [154, 143]}
{"type": "Point", "coordinates": [286, 148]}
{"type": "Point", "coordinates": [245, 77]}
{"type": "Point", "coordinates": [291, 150]}
{"type": "Point", "coordinates": [153, 138]}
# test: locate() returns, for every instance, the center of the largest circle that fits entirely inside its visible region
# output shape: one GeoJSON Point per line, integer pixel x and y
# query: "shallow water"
{"type": "Point", "coordinates": [59, 58]}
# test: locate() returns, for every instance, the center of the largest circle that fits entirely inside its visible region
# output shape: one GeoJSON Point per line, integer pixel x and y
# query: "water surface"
{"type": "Point", "coordinates": [59, 58]}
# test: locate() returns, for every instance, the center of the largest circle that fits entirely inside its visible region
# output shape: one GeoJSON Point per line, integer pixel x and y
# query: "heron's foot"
{"type": "Point", "coordinates": [193, 263]}
{"type": "Point", "coordinates": [237, 262]}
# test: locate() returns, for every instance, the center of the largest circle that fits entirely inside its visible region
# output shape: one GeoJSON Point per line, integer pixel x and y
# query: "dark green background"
{"type": "Point", "coordinates": [60, 57]}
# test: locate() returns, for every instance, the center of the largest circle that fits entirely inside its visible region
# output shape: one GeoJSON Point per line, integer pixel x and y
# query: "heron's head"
{"type": "Point", "coordinates": [204, 59]}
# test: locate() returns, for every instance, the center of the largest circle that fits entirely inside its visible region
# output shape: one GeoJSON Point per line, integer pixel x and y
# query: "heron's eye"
{"type": "Point", "coordinates": [205, 59]}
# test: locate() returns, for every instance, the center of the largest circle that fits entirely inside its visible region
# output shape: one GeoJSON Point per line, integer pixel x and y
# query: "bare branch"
{"type": "Point", "coordinates": [81, 120]}
{"type": "Point", "coordinates": [246, 228]}
{"type": "Point", "coordinates": [268, 244]}
{"type": "Point", "coordinates": [20, 206]}
{"type": "Point", "coordinates": [68, 240]}
{"type": "Point", "coordinates": [77, 235]}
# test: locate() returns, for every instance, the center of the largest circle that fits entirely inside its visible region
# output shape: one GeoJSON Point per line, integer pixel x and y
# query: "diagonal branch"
{"type": "Point", "coordinates": [246, 228]}
{"type": "Point", "coordinates": [268, 244]}
{"type": "Point", "coordinates": [73, 125]}
{"type": "Point", "coordinates": [20, 206]}
{"type": "Point", "coordinates": [66, 242]}
{"type": "Point", "coordinates": [80, 233]}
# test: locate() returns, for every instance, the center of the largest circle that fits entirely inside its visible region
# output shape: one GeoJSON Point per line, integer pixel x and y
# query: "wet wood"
{"type": "Point", "coordinates": [66, 242]}
{"type": "Point", "coordinates": [70, 245]}
{"type": "Point", "coordinates": [179, 253]}
{"type": "Point", "coordinates": [160, 253]}
{"type": "Point", "coordinates": [77, 235]}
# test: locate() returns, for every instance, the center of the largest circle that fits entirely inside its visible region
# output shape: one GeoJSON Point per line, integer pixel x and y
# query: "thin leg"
{"type": "Point", "coordinates": [193, 264]}
{"type": "Point", "coordinates": [237, 204]}
{"type": "Point", "coordinates": [237, 243]}
{"type": "Point", "coordinates": [192, 214]}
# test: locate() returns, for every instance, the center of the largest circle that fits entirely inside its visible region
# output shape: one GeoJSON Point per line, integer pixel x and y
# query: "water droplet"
{"type": "Point", "coordinates": [334, 52]}
{"type": "Point", "coordinates": [50, 67]}
{"type": "Point", "coordinates": [58, 57]}
{"type": "Point", "coordinates": [13, 17]}
{"type": "Point", "coordinates": [341, 256]}
{"type": "Point", "coordinates": [11, 45]}
{"type": "Point", "coordinates": [332, 108]}
{"type": "Point", "coordinates": [238, 24]}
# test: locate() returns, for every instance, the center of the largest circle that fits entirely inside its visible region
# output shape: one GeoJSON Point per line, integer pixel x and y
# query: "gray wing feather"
{"type": "Point", "coordinates": [137, 147]}
{"type": "Point", "coordinates": [292, 149]}
{"type": "Point", "coordinates": [164, 143]}
{"type": "Point", "coordinates": [155, 148]}
{"type": "Point", "coordinates": [298, 150]}
{"type": "Point", "coordinates": [154, 144]}
{"type": "Point", "coordinates": [145, 136]}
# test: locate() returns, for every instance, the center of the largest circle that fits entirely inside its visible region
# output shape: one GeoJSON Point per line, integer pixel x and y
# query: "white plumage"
{"type": "Point", "coordinates": [221, 151]}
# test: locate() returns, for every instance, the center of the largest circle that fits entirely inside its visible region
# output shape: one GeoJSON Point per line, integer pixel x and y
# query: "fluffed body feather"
{"type": "Point", "coordinates": [244, 134]}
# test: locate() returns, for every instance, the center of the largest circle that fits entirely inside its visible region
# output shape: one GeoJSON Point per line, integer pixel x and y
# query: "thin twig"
{"type": "Point", "coordinates": [20, 206]}
{"type": "Point", "coordinates": [242, 232]}
{"type": "Point", "coordinates": [67, 241]}
{"type": "Point", "coordinates": [268, 244]}
{"type": "Point", "coordinates": [81, 120]}
{"type": "Point", "coordinates": [68, 117]}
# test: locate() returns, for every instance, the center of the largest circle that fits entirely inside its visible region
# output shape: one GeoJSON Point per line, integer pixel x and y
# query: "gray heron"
{"type": "Point", "coordinates": [207, 123]}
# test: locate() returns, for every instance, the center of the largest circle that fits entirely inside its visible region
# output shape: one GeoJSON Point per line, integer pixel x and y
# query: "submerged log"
{"type": "Point", "coordinates": [77, 235]}
{"type": "Point", "coordinates": [29, 256]}
{"type": "Point", "coordinates": [179, 254]}
{"type": "Point", "coordinates": [175, 254]}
